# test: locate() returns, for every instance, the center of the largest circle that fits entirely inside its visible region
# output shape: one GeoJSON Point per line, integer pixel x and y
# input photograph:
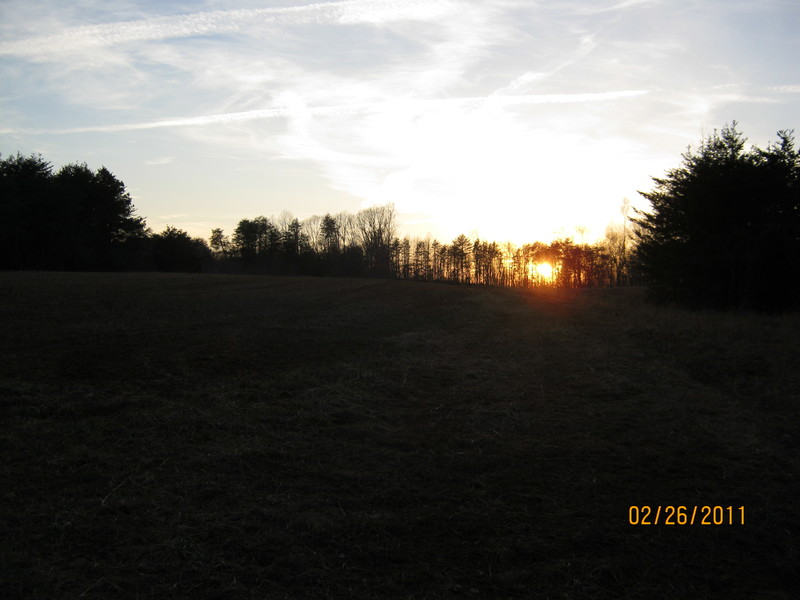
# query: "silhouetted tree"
{"type": "Point", "coordinates": [293, 239]}
{"type": "Point", "coordinates": [26, 222]}
{"type": "Point", "coordinates": [256, 242]}
{"type": "Point", "coordinates": [176, 250]}
{"type": "Point", "coordinates": [219, 243]}
{"type": "Point", "coordinates": [724, 229]}
{"type": "Point", "coordinates": [405, 268]}
{"type": "Point", "coordinates": [460, 259]}
{"type": "Point", "coordinates": [352, 262]}
{"type": "Point", "coordinates": [441, 261]}
{"type": "Point", "coordinates": [422, 259]}
{"type": "Point", "coordinates": [102, 214]}
{"type": "Point", "coordinates": [74, 219]}
{"type": "Point", "coordinates": [348, 235]}
{"type": "Point", "coordinates": [376, 227]}
{"type": "Point", "coordinates": [330, 232]}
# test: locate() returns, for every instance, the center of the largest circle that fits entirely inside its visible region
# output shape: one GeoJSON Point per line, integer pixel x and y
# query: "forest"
{"type": "Point", "coordinates": [724, 231]}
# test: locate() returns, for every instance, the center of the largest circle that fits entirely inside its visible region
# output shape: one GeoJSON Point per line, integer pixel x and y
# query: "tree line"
{"type": "Point", "coordinates": [723, 231]}
{"type": "Point", "coordinates": [366, 244]}
{"type": "Point", "coordinates": [78, 219]}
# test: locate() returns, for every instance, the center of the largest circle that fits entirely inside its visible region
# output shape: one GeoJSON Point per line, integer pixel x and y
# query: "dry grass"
{"type": "Point", "coordinates": [255, 437]}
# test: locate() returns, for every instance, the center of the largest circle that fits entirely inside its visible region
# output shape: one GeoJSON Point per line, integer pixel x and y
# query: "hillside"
{"type": "Point", "coordinates": [199, 436]}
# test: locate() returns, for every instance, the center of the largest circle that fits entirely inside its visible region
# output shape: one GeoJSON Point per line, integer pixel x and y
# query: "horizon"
{"type": "Point", "coordinates": [504, 120]}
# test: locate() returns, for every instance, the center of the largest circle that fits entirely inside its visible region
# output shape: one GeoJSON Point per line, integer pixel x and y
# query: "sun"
{"type": "Point", "coordinates": [545, 270]}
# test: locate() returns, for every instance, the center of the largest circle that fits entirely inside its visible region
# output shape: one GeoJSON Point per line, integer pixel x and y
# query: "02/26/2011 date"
{"type": "Point", "coordinates": [686, 515]}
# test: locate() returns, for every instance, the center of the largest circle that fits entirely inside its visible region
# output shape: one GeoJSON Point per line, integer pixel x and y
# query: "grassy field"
{"type": "Point", "coordinates": [182, 436]}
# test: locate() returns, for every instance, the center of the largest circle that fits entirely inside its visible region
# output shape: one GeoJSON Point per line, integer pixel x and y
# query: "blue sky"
{"type": "Point", "coordinates": [509, 119]}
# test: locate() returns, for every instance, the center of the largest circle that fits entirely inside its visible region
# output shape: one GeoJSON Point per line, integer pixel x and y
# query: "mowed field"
{"type": "Point", "coordinates": [203, 436]}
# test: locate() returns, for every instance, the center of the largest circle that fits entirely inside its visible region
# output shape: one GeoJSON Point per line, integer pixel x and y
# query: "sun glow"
{"type": "Point", "coordinates": [473, 169]}
{"type": "Point", "coordinates": [541, 273]}
{"type": "Point", "coordinates": [544, 270]}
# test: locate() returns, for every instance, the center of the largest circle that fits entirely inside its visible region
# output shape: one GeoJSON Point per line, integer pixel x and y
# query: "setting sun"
{"type": "Point", "coordinates": [545, 270]}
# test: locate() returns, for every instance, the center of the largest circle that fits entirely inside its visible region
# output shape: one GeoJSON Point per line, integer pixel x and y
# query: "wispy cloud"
{"type": "Point", "coordinates": [163, 160]}
{"type": "Point", "coordinates": [626, 4]}
{"type": "Point", "coordinates": [784, 89]}
{"type": "Point", "coordinates": [531, 79]}
{"type": "Point", "coordinates": [741, 98]}
{"type": "Point", "coordinates": [598, 8]}
{"type": "Point", "coordinates": [442, 106]}
{"type": "Point", "coordinates": [346, 12]}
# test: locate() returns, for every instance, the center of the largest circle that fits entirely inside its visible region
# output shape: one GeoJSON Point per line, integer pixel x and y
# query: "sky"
{"type": "Point", "coordinates": [508, 120]}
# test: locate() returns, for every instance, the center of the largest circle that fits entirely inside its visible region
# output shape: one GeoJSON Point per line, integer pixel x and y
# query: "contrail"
{"type": "Point", "coordinates": [565, 98]}
{"type": "Point", "coordinates": [300, 110]}
{"type": "Point", "coordinates": [223, 118]}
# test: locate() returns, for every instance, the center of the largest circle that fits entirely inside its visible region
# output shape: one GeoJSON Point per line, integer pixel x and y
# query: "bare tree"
{"type": "Point", "coordinates": [312, 230]}
{"type": "Point", "coordinates": [283, 221]}
{"type": "Point", "coordinates": [376, 227]}
{"type": "Point", "coordinates": [347, 230]}
{"type": "Point", "coordinates": [616, 245]}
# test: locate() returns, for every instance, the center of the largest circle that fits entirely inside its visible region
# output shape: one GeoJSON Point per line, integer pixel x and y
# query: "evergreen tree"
{"type": "Point", "coordinates": [176, 250]}
{"type": "Point", "coordinates": [74, 219]}
{"type": "Point", "coordinates": [724, 229]}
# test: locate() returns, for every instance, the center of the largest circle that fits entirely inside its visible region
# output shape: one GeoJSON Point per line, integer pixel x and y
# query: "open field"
{"type": "Point", "coordinates": [177, 436]}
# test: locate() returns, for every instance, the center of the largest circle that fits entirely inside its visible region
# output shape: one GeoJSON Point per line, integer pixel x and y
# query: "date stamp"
{"type": "Point", "coordinates": [686, 515]}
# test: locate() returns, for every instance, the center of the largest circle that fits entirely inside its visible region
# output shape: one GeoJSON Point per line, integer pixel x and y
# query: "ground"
{"type": "Point", "coordinates": [202, 436]}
